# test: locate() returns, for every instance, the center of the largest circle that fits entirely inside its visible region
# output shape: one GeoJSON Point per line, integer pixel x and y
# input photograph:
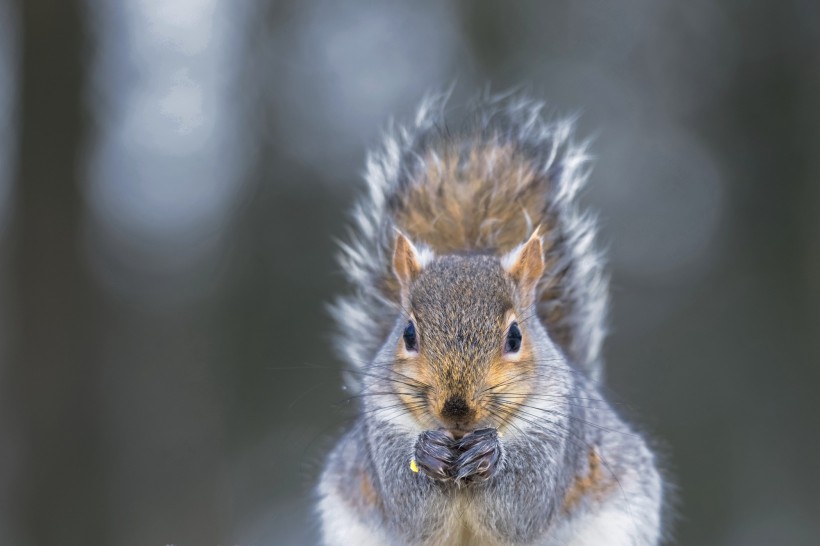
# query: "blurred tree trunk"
{"type": "Point", "coordinates": [50, 391]}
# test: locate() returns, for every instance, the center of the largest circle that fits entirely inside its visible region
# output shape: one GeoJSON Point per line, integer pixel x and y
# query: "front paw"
{"type": "Point", "coordinates": [434, 456]}
{"type": "Point", "coordinates": [480, 457]}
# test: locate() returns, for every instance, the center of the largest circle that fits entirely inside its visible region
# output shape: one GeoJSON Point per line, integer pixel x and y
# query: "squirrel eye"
{"type": "Point", "coordinates": [410, 341]}
{"type": "Point", "coordinates": [513, 343]}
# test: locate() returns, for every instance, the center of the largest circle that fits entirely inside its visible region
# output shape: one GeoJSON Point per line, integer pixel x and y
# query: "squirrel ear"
{"type": "Point", "coordinates": [407, 262]}
{"type": "Point", "coordinates": [526, 265]}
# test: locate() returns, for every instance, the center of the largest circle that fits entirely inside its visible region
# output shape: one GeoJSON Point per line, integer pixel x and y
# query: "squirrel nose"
{"type": "Point", "coordinates": [455, 407]}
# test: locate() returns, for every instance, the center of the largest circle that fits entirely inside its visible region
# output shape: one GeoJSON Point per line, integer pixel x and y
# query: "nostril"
{"type": "Point", "coordinates": [455, 407]}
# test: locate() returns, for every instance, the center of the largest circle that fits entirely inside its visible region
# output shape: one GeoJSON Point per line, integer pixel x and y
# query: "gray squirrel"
{"type": "Point", "coordinates": [474, 330]}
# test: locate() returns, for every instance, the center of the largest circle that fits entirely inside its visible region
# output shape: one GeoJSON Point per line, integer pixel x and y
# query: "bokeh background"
{"type": "Point", "coordinates": [174, 175]}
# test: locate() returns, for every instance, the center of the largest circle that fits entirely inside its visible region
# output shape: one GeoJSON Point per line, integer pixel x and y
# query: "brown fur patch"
{"type": "Point", "coordinates": [459, 203]}
{"type": "Point", "coordinates": [509, 382]}
{"type": "Point", "coordinates": [413, 375]}
{"type": "Point", "coordinates": [369, 496]}
{"type": "Point", "coordinates": [593, 485]}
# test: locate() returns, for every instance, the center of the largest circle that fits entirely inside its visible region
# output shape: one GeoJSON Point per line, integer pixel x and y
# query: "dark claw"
{"type": "Point", "coordinates": [479, 456]}
{"type": "Point", "coordinates": [434, 455]}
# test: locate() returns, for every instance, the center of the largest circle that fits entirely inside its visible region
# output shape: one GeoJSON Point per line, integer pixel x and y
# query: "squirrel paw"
{"type": "Point", "coordinates": [479, 457]}
{"type": "Point", "coordinates": [434, 456]}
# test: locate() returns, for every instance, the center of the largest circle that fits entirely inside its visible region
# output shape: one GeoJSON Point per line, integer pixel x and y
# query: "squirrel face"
{"type": "Point", "coordinates": [465, 349]}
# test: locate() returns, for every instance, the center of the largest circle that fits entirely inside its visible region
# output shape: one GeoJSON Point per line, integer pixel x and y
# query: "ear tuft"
{"type": "Point", "coordinates": [526, 265]}
{"type": "Point", "coordinates": [407, 262]}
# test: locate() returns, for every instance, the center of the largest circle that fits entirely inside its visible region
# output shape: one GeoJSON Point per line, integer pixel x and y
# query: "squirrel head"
{"type": "Point", "coordinates": [467, 351]}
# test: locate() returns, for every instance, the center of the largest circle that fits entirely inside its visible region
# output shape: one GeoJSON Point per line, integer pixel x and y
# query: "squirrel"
{"type": "Point", "coordinates": [474, 329]}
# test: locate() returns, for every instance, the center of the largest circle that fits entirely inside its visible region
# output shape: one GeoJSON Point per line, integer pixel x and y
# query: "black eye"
{"type": "Point", "coordinates": [513, 343]}
{"type": "Point", "coordinates": [410, 341]}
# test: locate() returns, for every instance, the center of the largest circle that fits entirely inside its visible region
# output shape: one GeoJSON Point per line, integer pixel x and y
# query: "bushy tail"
{"type": "Point", "coordinates": [484, 188]}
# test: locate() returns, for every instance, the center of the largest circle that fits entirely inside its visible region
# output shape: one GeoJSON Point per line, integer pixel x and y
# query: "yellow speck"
{"type": "Point", "coordinates": [413, 466]}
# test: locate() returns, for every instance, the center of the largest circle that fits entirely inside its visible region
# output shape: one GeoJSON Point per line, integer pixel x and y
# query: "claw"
{"type": "Point", "coordinates": [480, 453]}
{"type": "Point", "coordinates": [434, 455]}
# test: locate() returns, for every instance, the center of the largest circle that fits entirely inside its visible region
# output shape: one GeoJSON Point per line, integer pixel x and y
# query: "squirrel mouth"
{"type": "Point", "coordinates": [456, 433]}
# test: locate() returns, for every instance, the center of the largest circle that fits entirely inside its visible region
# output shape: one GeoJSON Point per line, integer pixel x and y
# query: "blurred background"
{"type": "Point", "coordinates": [174, 175]}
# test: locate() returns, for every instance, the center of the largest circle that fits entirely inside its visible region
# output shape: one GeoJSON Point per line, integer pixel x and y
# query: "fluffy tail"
{"type": "Point", "coordinates": [482, 189]}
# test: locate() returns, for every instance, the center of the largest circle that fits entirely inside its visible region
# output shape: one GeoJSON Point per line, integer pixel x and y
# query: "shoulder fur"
{"type": "Point", "coordinates": [483, 188]}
